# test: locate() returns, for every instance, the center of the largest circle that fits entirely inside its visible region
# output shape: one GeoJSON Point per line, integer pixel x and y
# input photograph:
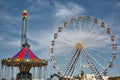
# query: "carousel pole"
{"type": "Point", "coordinates": [24, 26]}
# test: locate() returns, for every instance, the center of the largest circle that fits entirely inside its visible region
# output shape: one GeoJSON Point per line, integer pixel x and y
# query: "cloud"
{"type": "Point", "coordinates": [4, 3]}
{"type": "Point", "coordinates": [8, 22]}
{"type": "Point", "coordinates": [14, 43]}
{"type": "Point", "coordinates": [9, 30]}
{"type": "Point", "coordinates": [113, 22]}
{"type": "Point", "coordinates": [40, 5]}
{"type": "Point", "coordinates": [1, 38]}
{"type": "Point", "coordinates": [68, 10]}
{"type": "Point", "coordinates": [118, 4]}
{"type": "Point", "coordinates": [10, 41]}
{"type": "Point", "coordinates": [40, 42]}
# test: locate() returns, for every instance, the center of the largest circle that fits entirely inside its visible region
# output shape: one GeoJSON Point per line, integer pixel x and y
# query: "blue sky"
{"type": "Point", "coordinates": [44, 16]}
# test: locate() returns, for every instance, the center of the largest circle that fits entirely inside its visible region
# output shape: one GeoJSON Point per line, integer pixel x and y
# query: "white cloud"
{"type": "Point", "coordinates": [39, 5]}
{"type": "Point", "coordinates": [8, 18]}
{"type": "Point", "coordinates": [9, 23]}
{"type": "Point", "coordinates": [1, 38]}
{"type": "Point", "coordinates": [14, 43]}
{"type": "Point", "coordinates": [40, 42]}
{"type": "Point", "coordinates": [113, 22]}
{"type": "Point", "coordinates": [68, 10]}
{"type": "Point", "coordinates": [10, 41]}
{"type": "Point", "coordinates": [118, 4]}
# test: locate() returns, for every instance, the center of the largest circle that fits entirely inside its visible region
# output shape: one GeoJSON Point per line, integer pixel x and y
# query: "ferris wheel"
{"type": "Point", "coordinates": [83, 40]}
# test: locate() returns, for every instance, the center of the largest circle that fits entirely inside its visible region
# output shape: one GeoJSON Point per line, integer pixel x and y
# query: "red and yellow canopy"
{"type": "Point", "coordinates": [25, 57]}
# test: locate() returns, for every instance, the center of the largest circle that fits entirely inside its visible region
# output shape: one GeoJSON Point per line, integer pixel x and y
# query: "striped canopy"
{"type": "Point", "coordinates": [25, 53]}
{"type": "Point", "coordinates": [25, 57]}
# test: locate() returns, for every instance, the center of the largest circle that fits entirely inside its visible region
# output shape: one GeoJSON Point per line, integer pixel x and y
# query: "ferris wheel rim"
{"type": "Point", "coordinates": [52, 54]}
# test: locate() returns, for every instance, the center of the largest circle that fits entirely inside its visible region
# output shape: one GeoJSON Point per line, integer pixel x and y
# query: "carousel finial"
{"type": "Point", "coordinates": [25, 14]}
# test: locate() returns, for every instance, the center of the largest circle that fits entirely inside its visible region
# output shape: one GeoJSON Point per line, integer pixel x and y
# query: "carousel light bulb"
{"type": "Point", "coordinates": [24, 11]}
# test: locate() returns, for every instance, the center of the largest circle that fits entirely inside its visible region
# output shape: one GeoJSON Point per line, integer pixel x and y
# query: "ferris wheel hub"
{"type": "Point", "coordinates": [78, 46]}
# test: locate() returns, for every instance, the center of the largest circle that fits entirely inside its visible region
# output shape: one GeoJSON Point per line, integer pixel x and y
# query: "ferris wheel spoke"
{"type": "Point", "coordinates": [95, 36]}
{"type": "Point", "coordinates": [93, 32]}
{"type": "Point", "coordinates": [102, 38]}
{"type": "Point", "coordinates": [80, 22]}
{"type": "Point", "coordinates": [73, 32]}
{"type": "Point", "coordinates": [92, 66]}
{"type": "Point", "coordinates": [101, 51]}
{"type": "Point", "coordinates": [62, 50]}
{"type": "Point", "coordinates": [73, 22]}
{"type": "Point", "coordinates": [65, 39]}
{"type": "Point", "coordinates": [95, 23]}
{"type": "Point", "coordinates": [105, 41]}
{"type": "Point", "coordinates": [95, 59]}
{"type": "Point", "coordinates": [85, 26]}
{"type": "Point", "coordinates": [68, 27]}
{"type": "Point", "coordinates": [102, 28]}
{"type": "Point", "coordinates": [70, 39]}
{"type": "Point", "coordinates": [64, 43]}
{"type": "Point", "coordinates": [86, 31]}
{"type": "Point", "coordinates": [92, 27]}
{"type": "Point", "coordinates": [97, 29]}
{"type": "Point", "coordinates": [98, 56]}
{"type": "Point", "coordinates": [86, 23]}
{"type": "Point", "coordinates": [80, 26]}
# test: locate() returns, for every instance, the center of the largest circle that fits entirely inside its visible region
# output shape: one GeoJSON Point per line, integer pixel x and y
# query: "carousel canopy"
{"type": "Point", "coordinates": [25, 53]}
{"type": "Point", "coordinates": [25, 57]}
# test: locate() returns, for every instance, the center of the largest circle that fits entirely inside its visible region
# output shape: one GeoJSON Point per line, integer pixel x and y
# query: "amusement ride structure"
{"type": "Point", "coordinates": [27, 65]}
{"type": "Point", "coordinates": [84, 40]}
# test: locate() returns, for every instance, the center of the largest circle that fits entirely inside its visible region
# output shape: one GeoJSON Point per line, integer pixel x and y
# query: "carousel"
{"type": "Point", "coordinates": [24, 65]}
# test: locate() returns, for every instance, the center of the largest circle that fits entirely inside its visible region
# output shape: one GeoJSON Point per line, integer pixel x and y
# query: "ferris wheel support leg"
{"type": "Point", "coordinates": [93, 68]}
{"type": "Point", "coordinates": [71, 64]}
{"type": "Point", "coordinates": [75, 64]}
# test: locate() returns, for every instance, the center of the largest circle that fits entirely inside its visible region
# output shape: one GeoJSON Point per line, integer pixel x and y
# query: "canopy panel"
{"type": "Point", "coordinates": [25, 53]}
